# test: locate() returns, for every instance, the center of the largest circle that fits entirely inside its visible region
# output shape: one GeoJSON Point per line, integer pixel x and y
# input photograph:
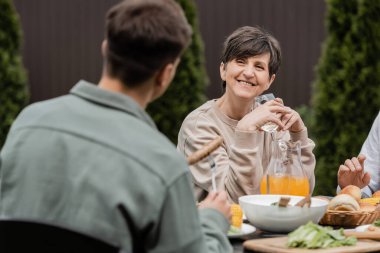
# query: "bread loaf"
{"type": "Point", "coordinates": [343, 202]}
{"type": "Point", "coordinates": [353, 191]}
{"type": "Point", "coordinates": [376, 194]}
{"type": "Point", "coordinates": [366, 207]}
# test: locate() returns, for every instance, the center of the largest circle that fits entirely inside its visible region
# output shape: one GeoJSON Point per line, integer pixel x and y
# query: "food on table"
{"type": "Point", "coordinates": [372, 201]}
{"type": "Point", "coordinates": [237, 216]}
{"type": "Point", "coordinates": [343, 202]}
{"type": "Point", "coordinates": [373, 228]}
{"type": "Point", "coordinates": [367, 207]}
{"type": "Point", "coordinates": [323, 198]}
{"type": "Point", "coordinates": [234, 230]}
{"type": "Point", "coordinates": [376, 194]}
{"type": "Point", "coordinates": [283, 202]}
{"type": "Point", "coordinates": [352, 190]}
{"type": "Point", "coordinates": [350, 210]}
{"type": "Point", "coordinates": [377, 223]}
{"type": "Point", "coordinates": [305, 202]}
{"type": "Point", "coordinates": [312, 236]}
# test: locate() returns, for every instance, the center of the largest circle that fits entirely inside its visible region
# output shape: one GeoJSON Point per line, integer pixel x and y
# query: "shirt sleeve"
{"type": "Point", "coordinates": [183, 229]}
{"type": "Point", "coordinates": [371, 149]}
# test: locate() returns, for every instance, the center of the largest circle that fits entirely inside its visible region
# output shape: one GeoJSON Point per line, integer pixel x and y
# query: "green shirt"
{"type": "Point", "coordinates": [94, 162]}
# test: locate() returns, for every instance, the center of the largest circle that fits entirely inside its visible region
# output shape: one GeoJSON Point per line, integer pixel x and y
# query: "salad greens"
{"type": "Point", "coordinates": [312, 236]}
{"type": "Point", "coordinates": [234, 230]}
{"type": "Point", "coordinates": [377, 223]}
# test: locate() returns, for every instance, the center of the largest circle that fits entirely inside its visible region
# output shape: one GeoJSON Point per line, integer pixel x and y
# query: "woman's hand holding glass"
{"type": "Point", "coordinates": [272, 111]}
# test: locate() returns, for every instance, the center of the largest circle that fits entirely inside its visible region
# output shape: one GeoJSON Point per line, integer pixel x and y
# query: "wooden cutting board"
{"type": "Point", "coordinates": [278, 245]}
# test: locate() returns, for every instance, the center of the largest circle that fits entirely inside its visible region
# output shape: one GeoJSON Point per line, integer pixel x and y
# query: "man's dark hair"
{"type": "Point", "coordinates": [143, 36]}
{"type": "Point", "coordinates": [248, 41]}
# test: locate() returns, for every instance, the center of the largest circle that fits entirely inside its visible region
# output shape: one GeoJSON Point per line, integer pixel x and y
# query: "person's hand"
{"type": "Point", "coordinates": [292, 121]}
{"type": "Point", "coordinates": [271, 111]}
{"type": "Point", "coordinates": [351, 172]}
{"type": "Point", "coordinates": [218, 201]}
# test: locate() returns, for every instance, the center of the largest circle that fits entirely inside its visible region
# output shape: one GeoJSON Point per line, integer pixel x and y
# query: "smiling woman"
{"type": "Point", "coordinates": [250, 61]}
{"type": "Point", "coordinates": [247, 77]}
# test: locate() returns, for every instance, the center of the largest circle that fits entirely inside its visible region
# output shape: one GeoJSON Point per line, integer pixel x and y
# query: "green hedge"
{"type": "Point", "coordinates": [188, 87]}
{"type": "Point", "coordinates": [346, 98]}
{"type": "Point", "coordinates": [13, 92]}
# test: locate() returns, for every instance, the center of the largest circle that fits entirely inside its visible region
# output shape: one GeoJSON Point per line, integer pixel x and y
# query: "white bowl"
{"type": "Point", "coordinates": [265, 216]}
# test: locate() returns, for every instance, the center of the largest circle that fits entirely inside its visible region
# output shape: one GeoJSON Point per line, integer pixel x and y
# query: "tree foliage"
{"type": "Point", "coordinates": [188, 87]}
{"type": "Point", "coordinates": [13, 92]}
{"type": "Point", "coordinates": [346, 98]}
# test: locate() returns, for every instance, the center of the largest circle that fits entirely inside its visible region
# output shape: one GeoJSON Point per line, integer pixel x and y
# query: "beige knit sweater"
{"type": "Point", "coordinates": [238, 169]}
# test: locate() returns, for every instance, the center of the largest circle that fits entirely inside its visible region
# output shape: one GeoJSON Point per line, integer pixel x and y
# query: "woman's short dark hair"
{"type": "Point", "coordinates": [142, 37]}
{"type": "Point", "coordinates": [248, 41]}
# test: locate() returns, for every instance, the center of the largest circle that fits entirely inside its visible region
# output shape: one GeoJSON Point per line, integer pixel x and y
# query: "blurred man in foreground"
{"type": "Point", "coordinates": [93, 161]}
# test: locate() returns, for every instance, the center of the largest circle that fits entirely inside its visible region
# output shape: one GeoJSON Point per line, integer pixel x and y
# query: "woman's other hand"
{"type": "Point", "coordinates": [292, 121]}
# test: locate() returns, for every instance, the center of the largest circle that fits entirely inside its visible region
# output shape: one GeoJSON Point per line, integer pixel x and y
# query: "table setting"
{"type": "Point", "coordinates": [284, 218]}
{"type": "Point", "coordinates": [282, 222]}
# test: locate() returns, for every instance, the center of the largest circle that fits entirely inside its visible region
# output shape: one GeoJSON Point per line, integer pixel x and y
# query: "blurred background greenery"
{"type": "Point", "coordinates": [346, 97]}
{"type": "Point", "coordinates": [187, 90]}
{"type": "Point", "coordinates": [13, 85]}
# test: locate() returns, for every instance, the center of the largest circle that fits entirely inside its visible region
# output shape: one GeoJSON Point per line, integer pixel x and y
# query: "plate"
{"type": "Point", "coordinates": [246, 229]}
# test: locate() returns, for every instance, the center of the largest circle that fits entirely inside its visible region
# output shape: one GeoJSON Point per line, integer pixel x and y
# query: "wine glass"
{"type": "Point", "coordinates": [269, 127]}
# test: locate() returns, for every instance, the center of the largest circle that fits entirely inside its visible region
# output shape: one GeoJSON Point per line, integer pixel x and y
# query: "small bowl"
{"type": "Point", "coordinates": [273, 218]}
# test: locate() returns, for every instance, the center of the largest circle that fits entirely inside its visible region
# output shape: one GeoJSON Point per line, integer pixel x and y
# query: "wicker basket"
{"type": "Point", "coordinates": [349, 219]}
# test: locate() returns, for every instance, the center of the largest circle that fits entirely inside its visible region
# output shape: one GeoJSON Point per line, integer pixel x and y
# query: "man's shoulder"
{"type": "Point", "coordinates": [120, 132]}
{"type": "Point", "coordinates": [36, 112]}
{"type": "Point", "coordinates": [159, 154]}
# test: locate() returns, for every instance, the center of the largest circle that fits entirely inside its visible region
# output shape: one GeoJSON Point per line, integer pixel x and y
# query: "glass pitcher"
{"type": "Point", "coordinates": [285, 173]}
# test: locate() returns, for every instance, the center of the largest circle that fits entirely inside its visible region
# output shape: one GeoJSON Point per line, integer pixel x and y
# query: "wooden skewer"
{"type": "Point", "coordinates": [205, 151]}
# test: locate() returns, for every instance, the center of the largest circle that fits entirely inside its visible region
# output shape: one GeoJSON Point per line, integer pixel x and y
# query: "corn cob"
{"type": "Point", "coordinates": [237, 215]}
{"type": "Point", "coordinates": [372, 201]}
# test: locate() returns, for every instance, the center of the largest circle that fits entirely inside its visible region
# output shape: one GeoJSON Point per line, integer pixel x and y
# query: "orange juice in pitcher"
{"type": "Point", "coordinates": [287, 185]}
{"type": "Point", "coordinates": [285, 172]}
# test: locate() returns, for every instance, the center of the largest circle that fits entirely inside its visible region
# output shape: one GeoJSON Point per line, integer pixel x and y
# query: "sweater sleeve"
{"type": "Point", "coordinates": [235, 162]}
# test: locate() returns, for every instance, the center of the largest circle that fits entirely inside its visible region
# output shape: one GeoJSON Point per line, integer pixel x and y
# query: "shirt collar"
{"type": "Point", "coordinates": [118, 101]}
